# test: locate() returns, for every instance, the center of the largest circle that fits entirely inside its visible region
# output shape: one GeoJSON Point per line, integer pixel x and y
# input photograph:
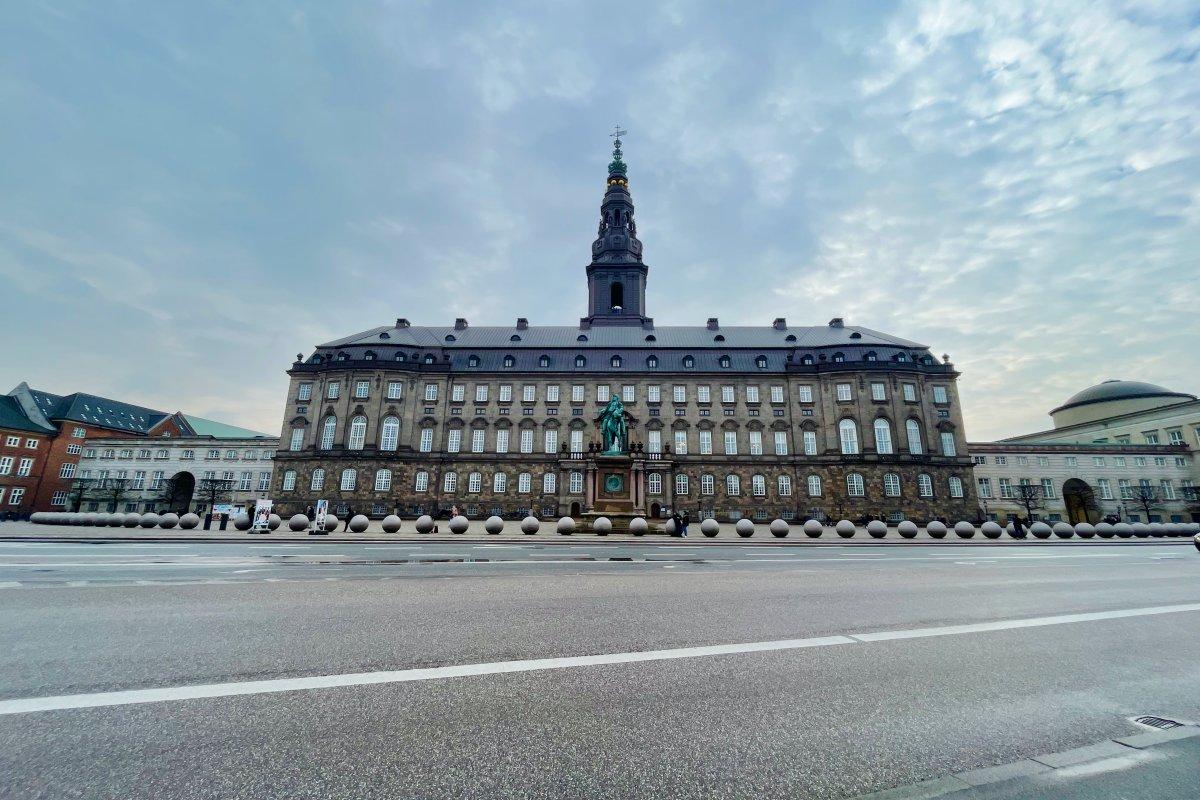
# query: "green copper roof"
{"type": "Point", "coordinates": [219, 430]}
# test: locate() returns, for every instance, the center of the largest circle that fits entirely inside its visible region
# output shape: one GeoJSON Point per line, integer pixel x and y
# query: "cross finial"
{"type": "Point", "coordinates": [617, 132]}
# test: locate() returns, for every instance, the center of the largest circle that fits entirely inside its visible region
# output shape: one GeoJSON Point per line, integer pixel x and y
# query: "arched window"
{"type": "Point", "coordinates": [450, 337]}
{"type": "Point", "coordinates": [615, 361]}
{"type": "Point", "coordinates": [474, 482]}
{"type": "Point", "coordinates": [891, 485]}
{"type": "Point", "coordinates": [707, 484]}
{"type": "Point", "coordinates": [758, 485]}
{"type": "Point", "coordinates": [580, 361]}
{"type": "Point", "coordinates": [854, 485]}
{"type": "Point", "coordinates": [289, 480]}
{"type": "Point", "coordinates": [318, 479]}
{"type": "Point", "coordinates": [575, 483]}
{"type": "Point", "coordinates": [689, 362]}
{"type": "Point", "coordinates": [514, 338]}
{"type": "Point", "coordinates": [549, 483]}
{"type": "Point", "coordinates": [389, 434]}
{"type": "Point", "coordinates": [814, 485]}
{"type": "Point", "coordinates": [912, 429]}
{"type": "Point", "coordinates": [428, 358]}
{"type": "Point", "coordinates": [524, 483]}
{"type": "Point", "coordinates": [761, 362]}
{"type": "Point", "coordinates": [383, 480]}
{"type": "Point", "coordinates": [724, 362]}
{"type": "Point", "coordinates": [652, 362]}
{"type": "Point", "coordinates": [328, 429]}
{"type": "Point", "coordinates": [544, 361]}
{"type": "Point", "coordinates": [924, 485]}
{"type": "Point", "coordinates": [349, 480]}
{"type": "Point", "coordinates": [956, 486]}
{"type": "Point", "coordinates": [806, 360]}
{"type": "Point", "coordinates": [617, 295]}
{"type": "Point", "coordinates": [848, 434]}
{"type": "Point", "coordinates": [421, 481]}
{"type": "Point", "coordinates": [499, 483]}
{"type": "Point", "coordinates": [358, 433]}
{"type": "Point", "coordinates": [733, 485]}
{"type": "Point", "coordinates": [883, 437]}
{"type": "Point", "coordinates": [681, 484]}
{"type": "Point", "coordinates": [450, 482]}
{"type": "Point", "coordinates": [581, 338]}
{"type": "Point", "coordinates": [472, 361]}
{"type": "Point", "coordinates": [654, 483]}
{"type": "Point", "coordinates": [785, 485]}
{"type": "Point", "coordinates": [510, 362]}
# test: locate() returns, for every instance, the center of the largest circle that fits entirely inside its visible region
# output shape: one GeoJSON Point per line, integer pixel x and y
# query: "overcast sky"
{"type": "Point", "coordinates": [192, 193]}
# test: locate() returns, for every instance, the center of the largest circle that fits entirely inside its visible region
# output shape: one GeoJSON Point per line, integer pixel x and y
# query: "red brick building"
{"type": "Point", "coordinates": [24, 449]}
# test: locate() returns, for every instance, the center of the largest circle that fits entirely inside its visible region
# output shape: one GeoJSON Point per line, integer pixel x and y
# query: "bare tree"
{"type": "Point", "coordinates": [214, 490]}
{"type": "Point", "coordinates": [1191, 496]}
{"type": "Point", "coordinates": [1029, 496]}
{"type": "Point", "coordinates": [1144, 496]}
{"type": "Point", "coordinates": [112, 490]}
{"type": "Point", "coordinates": [81, 488]}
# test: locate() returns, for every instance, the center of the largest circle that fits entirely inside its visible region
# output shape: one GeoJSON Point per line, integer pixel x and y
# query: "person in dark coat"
{"type": "Point", "coordinates": [311, 514]}
{"type": "Point", "coordinates": [678, 521]}
{"type": "Point", "coordinates": [349, 516]}
{"type": "Point", "coordinates": [1018, 526]}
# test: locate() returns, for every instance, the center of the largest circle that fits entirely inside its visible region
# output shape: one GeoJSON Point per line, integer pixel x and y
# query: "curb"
{"type": "Point", "coordinates": [1028, 769]}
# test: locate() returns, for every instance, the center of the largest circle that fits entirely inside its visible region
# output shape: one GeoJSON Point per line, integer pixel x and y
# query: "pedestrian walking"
{"type": "Point", "coordinates": [1018, 527]}
{"type": "Point", "coordinates": [349, 516]}
{"type": "Point", "coordinates": [686, 519]}
{"type": "Point", "coordinates": [311, 514]}
{"type": "Point", "coordinates": [678, 522]}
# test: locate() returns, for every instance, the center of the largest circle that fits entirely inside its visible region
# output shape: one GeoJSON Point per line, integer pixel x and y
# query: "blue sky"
{"type": "Point", "coordinates": [192, 193]}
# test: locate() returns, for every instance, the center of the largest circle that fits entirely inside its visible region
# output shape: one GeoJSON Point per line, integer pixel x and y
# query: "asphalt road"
{"type": "Point", "coordinates": [877, 666]}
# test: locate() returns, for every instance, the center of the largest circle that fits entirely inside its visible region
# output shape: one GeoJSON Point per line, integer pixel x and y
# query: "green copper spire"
{"type": "Point", "coordinates": [617, 166]}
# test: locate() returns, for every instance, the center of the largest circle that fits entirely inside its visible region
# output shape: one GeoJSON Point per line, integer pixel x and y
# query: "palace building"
{"type": "Point", "coordinates": [771, 421]}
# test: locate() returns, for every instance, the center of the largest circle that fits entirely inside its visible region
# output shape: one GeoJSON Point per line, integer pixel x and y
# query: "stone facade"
{"type": "Point", "coordinates": [400, 407]}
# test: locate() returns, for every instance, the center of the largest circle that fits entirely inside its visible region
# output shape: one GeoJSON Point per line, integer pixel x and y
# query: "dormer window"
{"type": "Point", "coordinates": [316, 359]}
{"type": "Point", "coordinates": [472, 361]}
{"type": "Point", "coordinates": [718, 338]}
{"type": "Point", "coordinates": [544, 361]}
{"type": "Point", "coordinates": [870, 356]}
{"type": "Point", "coordinates": [385, 335]}
{"type": "Point", "coordinates": [791, 337]}
{"type": "Point", "coordinates": [343, 356]}
{"type": "Point", "coordinates": [652, 362]}
{"type": "Point", "coordinates": [689, 362]}
{"type": "Point", "coordinates": [369, 355]}
{"type": "Point", "coordinates": [856, 335]}
{"type": "Point", "coordinates": [615, 361]}
{"type": "Point", "coordinates": [724, 362]}
{"type": "Point", "coordinates": [901, 357]}
{"type": "Point", "coordinates": [514, 338]}
{"type": "Point", "coordinates": [761, 362]}
{"type": "Point", "coordinates": [429, 358]}
{"type": "Point", "coordinates": [509, 362]}
{"type": "Point", "coordinates": [838, 358]}
{"type": "Point", "coordinates": [581, 338]}
{"type": "Point", "coordinates": [450, 337]}
{"type": "Point", "coordinates": [401, 357]}
{"type": "Point", "coordinates": [580, 361]}
{"type": "Point", "coordinates": [652, 338]}
{"type": "Point", "coordinates": [808, 359]}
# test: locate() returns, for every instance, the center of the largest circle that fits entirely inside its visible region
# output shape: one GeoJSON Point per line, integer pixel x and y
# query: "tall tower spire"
{"type": "Point", "coordinates": [617, 276]}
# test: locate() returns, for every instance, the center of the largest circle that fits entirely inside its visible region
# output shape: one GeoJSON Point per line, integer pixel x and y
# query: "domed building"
{"type": "Point", "coordinates": [1112, 399]}
{"type": "Point", "coordinates": [620, 416]}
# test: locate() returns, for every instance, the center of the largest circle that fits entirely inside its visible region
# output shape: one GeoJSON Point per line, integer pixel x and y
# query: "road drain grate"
{"type": "Point", "coordinates": [1161, 723]}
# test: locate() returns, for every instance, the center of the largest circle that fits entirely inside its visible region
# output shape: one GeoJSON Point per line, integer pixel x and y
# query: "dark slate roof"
{"type": "Point", "coordinates": [100, 411]}
{"type": "Point", "coordinates": [616, 336]}
{"type": "Point", "coordinates": [1119, 390]}
{"type": "Point", "coordinates": [13, 417]}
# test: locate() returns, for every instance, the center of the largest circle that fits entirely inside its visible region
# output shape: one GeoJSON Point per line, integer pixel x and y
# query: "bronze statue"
{"type": "Point", "coordinates": [613, 427]}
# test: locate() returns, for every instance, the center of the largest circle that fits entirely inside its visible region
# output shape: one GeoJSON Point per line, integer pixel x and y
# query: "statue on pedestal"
{"type": "Point", "coordinates": [613, 427]}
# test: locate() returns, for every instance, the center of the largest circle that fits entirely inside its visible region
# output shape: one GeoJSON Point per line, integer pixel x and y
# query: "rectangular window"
{"type": "Point", "coordinates": [1151, 437]}
{"type": "Point", "coordinates": [1139, 461]}
{"type": "Point", "coordinates": [481, 393]}
{"type": "Point", "coordinates": [421, 482]}
{"type": "Point", "coordinates": [576, 393]}
{"type": "Point", "coordinates": [333, 390]}
{"type": "Point", "coordinates": [602, 393]}
{"type": "Point", "coordinates": [756, 443]}
{"type": "Point", "coordinates": [362, 389]}
{"type": "Point", "coordinates": [551, 441]}
{"type": "Point", "coordinates": [426, 444]}
{"type": "Point", "coordinates": [731, 443]}
{"type": "Point", "coordinates": [985, 487]}
{"type": "Point", "coordinates": [679, 393]}
{"type": "Point", "coordinates": [948, 446]}
{"type": "Point", "coordinates": [628, 394]}
{"type": "Point", "coordinates": [804, 393]}
{"type": "Point", "coordinates": [939, 395]}
{"type": "Point", "coordinates": [431, 392]}
{"type": "Point", "coordinates": [910, 392]}
{"type": "Point", "coordinates": [1071, 461]}
{"type": "Point", "coordinates": [454, 440]}
{"type": "Point", "coordinates": [505, 393]}
{"type": "Point", "coordinates": [705, 443]}
{"type": "Point", "coordinates": [527, 441]}
{"type": "Point", "coordinates": [703, 394]}
{"type": "Point", "coordinates": [1160, 461]}
{"type": "Point", "coordinates": [751, 394]}
{"type": "Point", "coordinates": [297, 441]}
{"type": "Point", "coordinates": [59, 499]}
{"type": "Point", "coordinates": [1126, 488]}
{"type": "Point", "coordinates": [726, 394]}
{"type": "Point", "coordinates": [781, 443]}
{"type": "Point", "coordinates": [575, 483]}
{"type": "Point", "coordinates": [681, 447]}
{"type": "Point", "coordinates": [24, 467]}
{"type": "Point", "coordinates": [1048, 488]}
{"type": "Point", "coordinates": [681, 484]}
{"type": "Point", "coordinates": [549, 483]}
{"type": "Point", "coordinates": [576, 445]}
{"type": "Point", "coordinates": [1168, 489]}
{"type": "Point", "coordinates": [956, 488]}
{"type": "Point", "coordinates": [67, 471]}
{"type": "Point", "coordinates": [843, 392]}
{"type": "Point", "coordinates": [810, 442]}
{"type": "Point", "coordinates": [477, 440]}
{"type": "Point", "coordinates": [1006, 488]}
{"type": "Point", "coordinates": [776, 394]}
{"type": "Point", "coordinates": [1097, 461]}
{"type": "Point", "coordinates": [552, 394]}
{"type": "Point", "coordinates": [139, 480]}
{"type": "Point", "coordinates": [1175, 437]}
{"type": "Point", "coordinates": [654, 393]}
{"type": "Point", "coordinates": [304, 391]}
{"type": "Point", "coordinates": [706, 484]}
{"type": "Point", "coordinates": [264, 480]}
{"type": "Point", "coordinates": [1105, 489]}
{"type": "Point", "coordinates": [12, 441]}
{"type": "Point", "coordinates": [458, 393]}
{"type": "Point", "coordinates": [528, 393]}
{"type": "Point", "coordinates": [394, 389]}
{"type": "Point", "coordinates": [502, 440]}
{"type": "Point", "coordinates": [654, 441]}
{"type": "Point", "coordinates": [879, 391]}
{"type": "Point", "coordinates": [245, 481]}
{"type": "Point", "coordinates": [15, 497]}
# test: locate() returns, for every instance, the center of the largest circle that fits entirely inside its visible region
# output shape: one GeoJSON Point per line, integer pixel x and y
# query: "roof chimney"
{"type": "Point", "coordinates": [780, 324]}
{"type": "Point", "coordinates": [713, 324]}
{"type": "Point", "coordinates": [522, 324]}
{"type": "Point", "coordinates": [401, 322]}
{"type": "Point", "coordinates": [460, 324]}
{"type": "Point", "coordinates": [836, 322]}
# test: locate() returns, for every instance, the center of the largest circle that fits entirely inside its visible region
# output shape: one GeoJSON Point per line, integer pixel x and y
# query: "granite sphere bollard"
{"type": "Point", "coordinates": [116, 519]}
{"type": "Point", "coordinates": [102, 519]}
{"type": "Point", "coordinates": [1157, 530]}
{"type": "Point", "coordinates": [242, 522]}
{"type": "Point", "coordinates": [424, 523]}
{"type": "Point", "coordinates": [744, 528]}
{"type": "Point", "coordinates": [530, 526]}
{"type": "Point", "coordinates": [813, 528]}
{"type": "Point", "coordinates": [189, 521]}
{"type": "Point", "coordinates": [89, 518]}
{"type": "Point", "coordinates": [149, 520]}
{"type": "Point", "coordinates": [1040, 530]}
{"type": "Point", "coordinates": [459, 524]}
{"type": "Point", "coordinates": [877, 529]}
{"type": "Point", "coordinates": [331, 523]}
{"type": "Point", "coordinates": [1063, 530]}
{"type": "Point", "coordinates": [493, 525]}
{"type": "Point", "coordinates": [779, 528]}
{"type": "Point", "coordinates": [132, 519]}
{"type": "Point", "coordinates": [669, 527]}
{"type": "Point", "coordinates": [298, 522]}
{"type": "Point", "coordinates": [1123, 530]}
{"type": "Point", "coordinates": [168, 520]}
{"type": "Point", "coordinates": [37, 517]}
{"type": "Point", "coordinates": [936, 529]}
{"type": "Point", "coordinates": [710, 527]}
{"type": "Point", "coordinates": [1196, 541]}
{"type": "Point", "coordinates": [602, 526]}
{"type": "Point", "coordinates": [359, 523]}
{"type": "Point", "coordinates": [908, 529]}
{"type": "Point", "coordinates": [991, 530]}
{"type": "Point", "coordinates": [274, 521]}
{"type": "Point", "coordinates": [1085, 530]}
{"type": "Point", "coordinates": [638, 526]}
{"type": "Point", "coordinates": [1105, 530]}
{"type": "Point", "coordinates": [964, 529]}
{"type": "Point", "coordinates": [391, 524]}
{"type": "Point", "coordinates": [565, 526]}
{"type": "Point", "coordinates": [845, 529]}
{"type": "Point", "coordinates": [1141, 530]}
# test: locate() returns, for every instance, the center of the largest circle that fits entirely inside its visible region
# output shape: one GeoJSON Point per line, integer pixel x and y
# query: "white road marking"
{"type": "Point", "coordinates": [9, 584]}
{"type": "Point", "coordinates": [198, 691]}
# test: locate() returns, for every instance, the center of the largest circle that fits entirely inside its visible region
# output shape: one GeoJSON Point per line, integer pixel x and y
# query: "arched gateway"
{"type": "Point", "coordinates": [1080, 501]}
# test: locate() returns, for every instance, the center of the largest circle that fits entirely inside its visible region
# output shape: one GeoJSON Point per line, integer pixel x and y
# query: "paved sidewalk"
{"type": "Point", "coordinates": [18, 531]}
